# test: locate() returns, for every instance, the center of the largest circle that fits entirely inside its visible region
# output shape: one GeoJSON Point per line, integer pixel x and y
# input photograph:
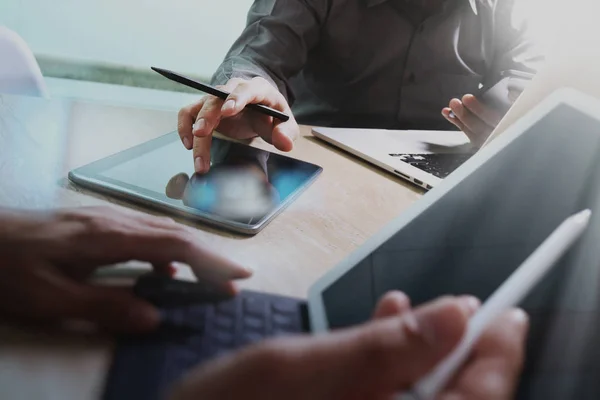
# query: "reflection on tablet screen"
{"type": "Point", "coordinates": [244, 184]}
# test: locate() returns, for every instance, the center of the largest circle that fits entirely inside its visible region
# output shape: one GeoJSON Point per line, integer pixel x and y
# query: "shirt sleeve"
{"type": "Point", "coordinates": [515, 44]}
{"type": "Point", "coordinates": [275, 43]}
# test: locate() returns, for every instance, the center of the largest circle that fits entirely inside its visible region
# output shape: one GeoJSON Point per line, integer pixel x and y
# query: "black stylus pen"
{"type": "Point", "coordinates": [218, 93]}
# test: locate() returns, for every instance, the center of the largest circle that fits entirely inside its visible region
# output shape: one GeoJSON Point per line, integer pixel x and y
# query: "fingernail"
{"type": "Point", "coordinates": [199, 125]}
{"type": "Point", "coordinates": [411, 324]}
{"type": "Point", "coordinates": [451, 115]}
{"type": "Point", "coordinates": [519, 315]}
{"type": "Point", "coordinates": [186, 143]}
{"type": "Point", "coordinates": [198, 164]}
{"type": "Point", "coordinates": [229, 105]}
{"type": "Point", "coordinates": [455, 103]}
{"type": "Point", "coordinates": [470, 304]}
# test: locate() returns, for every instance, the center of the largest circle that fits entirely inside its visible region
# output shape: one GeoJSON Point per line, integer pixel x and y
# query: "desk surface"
{"type": "Point", "coordinates": [40, 140]}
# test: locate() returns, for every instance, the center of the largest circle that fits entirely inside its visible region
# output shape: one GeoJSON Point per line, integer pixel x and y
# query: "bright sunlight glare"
{"type": "Point", "coordinates": [560, 26]}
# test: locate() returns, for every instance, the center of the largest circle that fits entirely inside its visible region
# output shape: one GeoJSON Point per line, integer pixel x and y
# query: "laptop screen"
{"type": "Point", "coordinates": [471, 239]}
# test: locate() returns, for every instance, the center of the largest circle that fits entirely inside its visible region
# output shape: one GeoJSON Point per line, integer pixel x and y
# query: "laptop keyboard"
{"type": "Point", "coordinates": [438, 164]}
{"type": "Point", "coordinates": [145, 367]}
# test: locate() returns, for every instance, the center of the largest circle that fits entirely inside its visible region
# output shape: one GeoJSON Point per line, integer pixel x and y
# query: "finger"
{"type": "Point", "coordinates": [285, 133]}
{"type": "Point", "coordinates": [156, 245]}
{"type": "Point", "coordinates": [162, 222]}
{"type": "Point", "coordinates": [495, 365]}
{"type": "Point", "coordinates": [280, 134]}
{"type": "Point", "coordinates": [201, 153]}
{"type": "Point", "coordinates": [112, 309]}
{"type": "Point", "coordinates": [168, 269]}
{"type": "Point", "coordinates": [255, 91]}
{"type": "Point", "coordinates": [449, 115]}
{"type": "Point", "coordinates": [260, 91]}
{"type": "Point", "coordinates": [474, 125]}
{"type": "Point", "coordinates": [210, 114]}
{"type": "Point", "coordinates": [118, 235]}
{"type": "Point", "coordinates": [208, 118]}
{"type": "Point", "coordinates": [471, 121]}
{"type": "Point", "coordinates": [487, 114]}
{"type": "Point", "coordinates": [394, 303]}
{"type": "Point", "coordinates": [47, 294]}
{"type": "Point", "coordinates": [456, 122]}
{"type": "Point", "coordinates": [185, 120]}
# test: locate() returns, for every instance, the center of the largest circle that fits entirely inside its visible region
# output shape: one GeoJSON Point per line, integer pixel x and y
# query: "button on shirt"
{"type": "Point", "coordinates": [378, 63]}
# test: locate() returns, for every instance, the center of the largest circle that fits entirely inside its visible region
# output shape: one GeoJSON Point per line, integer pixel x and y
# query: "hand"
{"type": "Point", "coordinates": [472, 117]}
{"type": "Point", "coordinates": [372, 361]}
{"type": "Point", "coordinates": [46, 258]}
{"type": "Point", "coordinates": [198, 121]}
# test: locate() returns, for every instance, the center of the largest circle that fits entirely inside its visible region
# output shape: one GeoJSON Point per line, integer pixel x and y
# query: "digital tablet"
{"type": "Point", "coordinates": [470, 233]}
{"type": "Point", "coordinates": [243, 191]}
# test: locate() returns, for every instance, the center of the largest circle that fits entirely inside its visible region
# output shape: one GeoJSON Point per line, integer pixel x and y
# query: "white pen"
{"type": "Point", "coordinates": [509, 294]}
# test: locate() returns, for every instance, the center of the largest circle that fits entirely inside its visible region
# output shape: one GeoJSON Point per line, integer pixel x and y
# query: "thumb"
{"type": "Point", "coordinates": [114, 309]}
{"type": "Point", "coordinates": [386, 356]}
{"type": "Point", "coordinates": [284, 134]}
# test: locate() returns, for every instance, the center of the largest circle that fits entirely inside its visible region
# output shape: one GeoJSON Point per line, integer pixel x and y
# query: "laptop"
{"type": "Point", "coordinates": [426, 157]}
{"type": "Point", "coordinates": [467, 235]}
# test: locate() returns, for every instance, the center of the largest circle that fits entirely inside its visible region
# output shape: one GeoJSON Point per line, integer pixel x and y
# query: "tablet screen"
{"type": "Point", "coordinates": [471, 239]}
{"type": "Point", "coordinates": [244, 185]}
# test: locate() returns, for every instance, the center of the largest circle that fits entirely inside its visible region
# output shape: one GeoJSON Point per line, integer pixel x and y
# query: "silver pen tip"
{"type": "Point", "coordinates": [583, 216]}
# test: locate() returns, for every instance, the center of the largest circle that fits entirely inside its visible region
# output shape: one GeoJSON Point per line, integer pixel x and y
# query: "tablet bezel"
{"type": "Point", "coordinates": [586, 104]}
{"type": "Point", "coordinates": [89, 176]}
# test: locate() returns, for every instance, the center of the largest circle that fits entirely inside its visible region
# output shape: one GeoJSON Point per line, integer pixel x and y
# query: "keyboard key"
{"type": "Point", "coordinates": [438, 164]}
{"type": "Point", "coordinates": [196, 311]}
{"type": "Point", "coordinates": [255, 306]}
{"type": "Point", "coordinates": [173, 318]}
{"type": "Point", "coordinates": [283, 331]}
{"type": "Point", "coordinates": [227, 307]}
{"type": "Point", "coordinates": [224, 322]}
{"type": "Point", "coordinates": [196, 342]}
{"type": "Point", "coordinates": [285, 306]}
{"type": "Point", "coordinates": [223, 338]}
{"type": "Point", "coordinates": [196, 324]}
{"type": "Point", "coordinates": [196, 317]}
{"type": "Point", "coordinates": [149, 365]}
{"type": "Point", "coordinates": [253, 323]}
{"type": "Point", "coordinates": [184, 358]}
{"type": "Point", "coordinates": [282, 321]}
{"type": "Point", "coordinates": [251, 337]}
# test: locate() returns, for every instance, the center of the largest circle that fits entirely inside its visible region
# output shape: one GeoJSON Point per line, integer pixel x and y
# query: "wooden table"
{"type": "Point", "coordinates": [40, 140]}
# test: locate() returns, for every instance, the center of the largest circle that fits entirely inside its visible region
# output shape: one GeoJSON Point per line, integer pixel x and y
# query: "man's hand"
{"type": "Point", "coordinates": [198, 121]}
{"type": "Point", "coordinates": [472, 117]}
{"type": "Point", "coordinates": [372, 361]}
{"type": "Point", "coordinates": [47, 257]}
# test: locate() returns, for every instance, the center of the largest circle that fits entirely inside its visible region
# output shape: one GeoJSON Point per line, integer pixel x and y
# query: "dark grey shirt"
{"type": "Point", "coordinates": [378, 63]}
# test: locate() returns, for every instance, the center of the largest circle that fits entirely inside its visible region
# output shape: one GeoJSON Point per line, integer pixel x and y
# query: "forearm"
{"type": "Point", "coordinates": [275, 43]}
